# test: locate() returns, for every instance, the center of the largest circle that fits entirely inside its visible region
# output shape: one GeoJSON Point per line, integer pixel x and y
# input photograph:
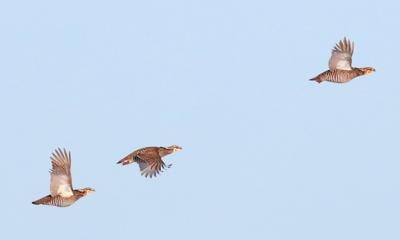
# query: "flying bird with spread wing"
{"type": "Point", "coordinates": [61, 192]}
{"type": "Point", "coordinates": [340, 68]}
{"type": "Point", "coordinates": [150, 159]}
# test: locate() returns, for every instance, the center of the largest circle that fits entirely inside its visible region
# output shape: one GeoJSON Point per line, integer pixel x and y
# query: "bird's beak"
{"type": "Point", "coordinates": [372, 70]}
{"type": "Point", "coordinates": [369, 71]}
{"type": "Point", "coordinates": [177, 149]}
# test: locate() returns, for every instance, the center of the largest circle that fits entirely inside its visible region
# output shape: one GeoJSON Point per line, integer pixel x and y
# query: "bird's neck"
{"type": "Point", "coordinates": [164, 151]}
{"type": "Point", "coordinates": [359, 71]}
{"type": "Point", "coordinates": [79, 194]}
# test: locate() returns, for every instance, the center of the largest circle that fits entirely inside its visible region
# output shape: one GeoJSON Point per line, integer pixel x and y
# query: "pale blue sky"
{"type": "Point", "coordinates": [267, 153]}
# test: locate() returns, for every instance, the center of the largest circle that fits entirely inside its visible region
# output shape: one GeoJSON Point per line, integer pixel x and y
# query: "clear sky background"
{"type": "Point", "coordinates": [267, 154]}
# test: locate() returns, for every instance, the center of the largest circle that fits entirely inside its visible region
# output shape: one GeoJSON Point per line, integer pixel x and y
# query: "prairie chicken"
{"type": "Point", "coordinates": [340, 69]}
{"type": "Point", "coordinates": [150, 159]}
{"type": "Point", "coordinates": [61, 192]}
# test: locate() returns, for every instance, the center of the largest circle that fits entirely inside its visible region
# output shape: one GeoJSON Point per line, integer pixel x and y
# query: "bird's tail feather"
{"type": "Point", "coordinates": [317, 79]}
{"type": "Point", "coordinates": [126, 160]}
{"type": "Point", "coordinates": [44, 200]}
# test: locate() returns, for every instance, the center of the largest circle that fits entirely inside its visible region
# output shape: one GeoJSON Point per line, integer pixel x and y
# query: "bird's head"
{"type": "Point", "coordinates": [174, 148]}
{"type": "Point", "coordinates": [86, 191]}
{"type": "Point", "coordinates": [367, 70]}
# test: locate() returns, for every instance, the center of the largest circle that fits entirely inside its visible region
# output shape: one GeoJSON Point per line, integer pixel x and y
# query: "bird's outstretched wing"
{"type": "Point", "coordinates": [341, 55]}
{"type": "Point", "coordinates": [61, 180]}
{"type": "Point", "coordinates": [150, 164]}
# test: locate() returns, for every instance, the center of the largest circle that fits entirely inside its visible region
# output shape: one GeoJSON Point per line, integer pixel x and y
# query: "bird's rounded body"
{"type": "Point", "coordinates": [338, 75]}
{"type": "Point", "coordinates": [130, 158]}
{"type": "Point", "coordinates": [58, 200]}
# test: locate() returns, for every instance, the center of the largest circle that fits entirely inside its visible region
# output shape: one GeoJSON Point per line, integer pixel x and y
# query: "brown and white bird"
{"type": "Point", "coordinates": [61, 192]}
{"type": "Point", "coordinates": [340, 69]}
{"type": "Point", "coordinates": [150, 159]}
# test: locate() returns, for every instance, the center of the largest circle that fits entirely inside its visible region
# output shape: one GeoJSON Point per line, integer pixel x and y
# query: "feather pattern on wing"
{"type": "Point", "coordinates": [341, 55]}
{"type": "Point", "coordinates": [61, 180]}
{"type": "Point", "coordinates": [150, 164]}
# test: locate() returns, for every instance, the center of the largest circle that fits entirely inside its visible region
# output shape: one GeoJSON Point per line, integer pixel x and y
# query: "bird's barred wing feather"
{"type": "Point", "coordinates": [61, 180]}
{"type": "Point", "coordinates": [150, 164]}
{"type": "Point", "coordinates": [341, 55]}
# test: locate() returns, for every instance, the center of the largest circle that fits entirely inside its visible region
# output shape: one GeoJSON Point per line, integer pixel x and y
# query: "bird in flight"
{"type": "Point", "coordinates": [61, 192]}
{"type": "Point", "coordinates": [340, 69]}
{"type": "Point", "coordinates": [150, 159]}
